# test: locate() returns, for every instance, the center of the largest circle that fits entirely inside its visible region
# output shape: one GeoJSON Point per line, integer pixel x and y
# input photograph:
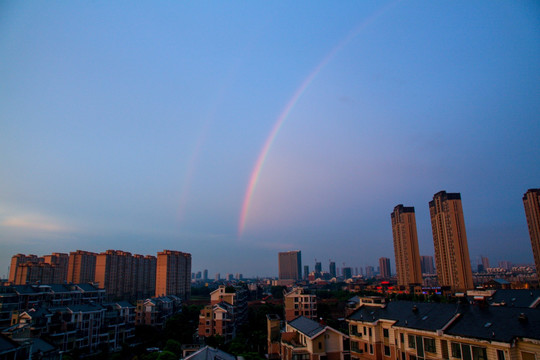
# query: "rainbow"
{"type": "Point", "coordinates": [255, 174]}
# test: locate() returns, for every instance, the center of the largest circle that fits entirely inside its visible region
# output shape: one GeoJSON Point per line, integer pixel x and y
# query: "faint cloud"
{"type": "Point", "coordinates": [34, 223]}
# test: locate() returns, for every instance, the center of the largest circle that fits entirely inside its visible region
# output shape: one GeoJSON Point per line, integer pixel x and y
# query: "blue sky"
{"type": "Point", "coordinates": [138, 126]}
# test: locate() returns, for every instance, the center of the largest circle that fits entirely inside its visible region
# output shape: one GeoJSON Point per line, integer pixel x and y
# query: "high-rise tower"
{"type": "Point", "coordinates": [173, 274]}
{"type": "Point", "coordinates": [384, 267]}
{"type": "Point", "coordinates": [531, 202]}
{"type": "Point", "coordinates": [450, 241]}
{"type": "Point", "coordinates": [406, 246]}
{"type": "Point", "coordinates": [290, 265]}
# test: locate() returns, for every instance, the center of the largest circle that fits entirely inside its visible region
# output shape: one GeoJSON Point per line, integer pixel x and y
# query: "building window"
{"type": "Point", "coordinates": [527, 356]}
{"type": "Point", "coordinates": [386, 350]}
{"type": "Point", "coordinates": [365, 347]}
{"type": "Point", "coordinates": [370, 348]}
{"type": "Point", "coordinates": [402, 339]}
{"type": "Point", "coordinates": [479, 353]}
{"type": "Point", "coordinates": [456, 350]}
{"type": "Point", "coordinates": [369, 331]}
{"type": "Point", "coordinates": [412, 343]}
{"type": "Point", "coordinates": [500, 355]}
{"type": "Point", "coordinates": [385, 333]}
{"type": "Point", "coordinates": [429, 345]}
{"type": "Point", "coordinates": [364, 330]}
{"type": "Point", "coordinates": [320, 345]}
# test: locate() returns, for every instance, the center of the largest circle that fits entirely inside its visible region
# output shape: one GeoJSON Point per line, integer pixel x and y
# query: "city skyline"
{"type": "Point", "coordinates": [234, 131]}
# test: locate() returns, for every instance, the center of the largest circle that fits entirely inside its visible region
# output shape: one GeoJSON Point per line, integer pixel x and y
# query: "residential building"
{"type": "Point", "coordinates": [370, 272]}
{"type": "Point", "coordinates": [347, 272]}
{"type": "Point", "coordinates": [81, 267]}
{"type": "Point", "coordinates": [217, 319]}
{"type": "Point", "coordinates": [298, 303]}
{"type": "Point", "coordinates": [426, 264]}
{"type": "Point", "coordinates": [19, 259]}
{"type": "Point", "coordinates": [290, 265]}
{"type": "Point", "coordinates": [318, 268]}
{"type": "Point", "coordinates": [450, 242]}
{"type": "Point", "coordinates": [114, 273]}
{"type": "Point", "coordinates": [144, 276]}
{"type": "Point", "coordinates": [304, 338]}
{"type": "Point", "coordinates": [173, 274]}
{"type": "Point", "coordinates": [50, 269]}
{"type": "Point", "coordinates": [236, 296]}
{"type": "Point", "coordinates": [531, 203]}
{"type": "Point", "coordinates": [60, 263]}
{"type": "Point", "coordinates": [384, 268]}
{"type": "Point", "coordinates": [155, 311]}
{"type": "Point", "coordinates": [408, 330]}
{"type": "Point", "coordinates": [407, 255]}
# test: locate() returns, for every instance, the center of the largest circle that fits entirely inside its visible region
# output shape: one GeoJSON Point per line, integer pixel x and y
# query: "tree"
{"type": "Point", "coordinates": [173, 346]}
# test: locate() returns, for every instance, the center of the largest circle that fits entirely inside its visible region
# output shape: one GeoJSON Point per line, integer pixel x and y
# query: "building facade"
{"type": "Point", "coordinates": [81, 267]}
{"type": "Point", "coordinates": [406, 251]}
{"type": "Point", "coordinates": [426, 264]}
{"type": "Point", "coordinates": [297, 303]}
{"type": "Point", "coordinates": [450, 241]}
{"type": "Point", "coordinates": [531, 203]}
{"type": "Point", "coordinates": [290, 265]}
{"type": "Point", "coordinates": [173, 274]}
{"type": "Point", "coordinates": [384, 268]}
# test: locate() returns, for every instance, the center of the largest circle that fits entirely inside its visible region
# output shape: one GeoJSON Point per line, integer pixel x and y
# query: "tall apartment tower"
{"type": "Point", "coordinates": [114, 273]}
{"type": "Point", "coordinates": [450, 241]}
{"type": "Point", "coordinates": [531, 202]}
{"type": "Point", "coordinates": [426, 264]}
{"type": "Point", "coordinates": [173, 274]}
{"type": "Point", "coordinates": [20, 259]}
{"type": "Point", "coordinates": [81, 267]}
{"type": "Point", "coordinates": [290, 265]}
{"type": "Point", "coordinates": [59, 261]}
{"type": "Point", "coordinates": [384, 267]}
{"type": "Point", "coordinates": [406, 251]}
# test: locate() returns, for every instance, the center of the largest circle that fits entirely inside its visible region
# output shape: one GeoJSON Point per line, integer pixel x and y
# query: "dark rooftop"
{"type": "Point", "coordinates": [306, 326]}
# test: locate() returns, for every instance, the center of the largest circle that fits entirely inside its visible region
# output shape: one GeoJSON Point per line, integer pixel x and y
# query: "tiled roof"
{"type": "Point", "coordinates": [496, 323]}
{"type": "Point", "coordinates": [7, 344]}
{"type": "Point", "coordinates": [306, 326]}
{"type": "Point", "coordinates": [515, 297]}
{"type": "Point", "coordinates": [209, 353]}
{"type": "Point", "coordinates": [422, 316]}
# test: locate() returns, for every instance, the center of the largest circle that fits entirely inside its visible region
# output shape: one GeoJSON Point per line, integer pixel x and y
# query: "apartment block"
{"type": "Point", "coordinates": [173, 274]}
{"type": "Point", "coordinates": [234, 295]}
{"type": "Point", "coordinates": [384, 268]}
{"type": "Point", "coordinates": [114, 273]}
{"type": "Point", "coordinates": [81, 267]}
{"type": "Point", "coordinates": [217, 319]}
{"type": "Point", "coordinates": [406, 251]}
{"type": "Point", "coordinates": [297, 303]}
{"type": "Point", "coordinates": [450, 242]}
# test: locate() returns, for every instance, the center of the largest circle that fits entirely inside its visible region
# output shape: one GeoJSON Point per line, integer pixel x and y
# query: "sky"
{"type": "Point", "coordinates": [233, 130]}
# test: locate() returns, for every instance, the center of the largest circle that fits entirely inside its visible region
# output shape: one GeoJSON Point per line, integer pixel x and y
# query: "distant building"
{"type": "Point", "coordinates": [332, 269]}
{"type": "Point", "coordinates": [450, 241]}
{"type": "Point", "coordinates": [384, 266]}
{"type": "Point", "coordinates": [406, 251]}
{"type": "Point", "coordinates": [290, 265]}
{"type": "Point", "coordinates": [370, 272]}
{"type": "Point", "coordinates": [426, 264]}
{"type": "Point", "coordinates": [49, 269]}
{"type": "Point", "coordinates": [306, 272]}
{"type": "Point", "coordinates": [347, 272]}
{"type": "Point", "coordinates": [205, 274]}
{"type": "Point", "coordinates": [318, 268]}
{"type": "Point", "coordinates": [531, 203]}
{"type": "Point", "coordinates": [217, 277]}
{"type": "Point", "coordinates": [114, 273]}
{"type": "Point", "coordinates": [172, 274]}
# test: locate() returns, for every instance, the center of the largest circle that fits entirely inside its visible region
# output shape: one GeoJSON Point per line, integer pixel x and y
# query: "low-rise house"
{"type": "Point", "coordinates": [217, 319]}
{"type": "Point", "coordinates": [156, 311]}
{"type": "Point", "coordinates": [306, 339]}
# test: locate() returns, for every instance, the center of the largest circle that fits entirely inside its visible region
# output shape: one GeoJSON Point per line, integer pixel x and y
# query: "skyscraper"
{"type": "Point", "coordinates": [290, 265]}
{"type": "Point", "coordinates": [318, 268]}
{"type": "Point", "coordinates": [332, 269]}
{"type": "Point", "coordinates": [306, 272]}
{"type": "Point", "coordinates": [384, 267]}
{"type": "Point", "coordinates": [173, 274]}
{"type": "Point", "coordinates": [531, 202]}
{"type": "Point", "coordinates": [426, 263]}
{"type": "Point", "coordinates": [450, 241]}
{"type": "Point", "coordinates": [406, 246]}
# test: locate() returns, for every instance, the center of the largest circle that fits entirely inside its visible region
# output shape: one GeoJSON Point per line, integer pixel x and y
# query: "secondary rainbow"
{"type": "Point", "coordinates": [255, 174]}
